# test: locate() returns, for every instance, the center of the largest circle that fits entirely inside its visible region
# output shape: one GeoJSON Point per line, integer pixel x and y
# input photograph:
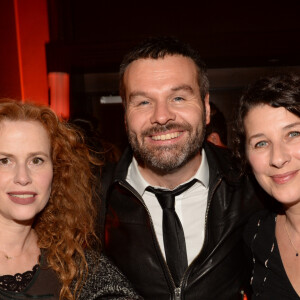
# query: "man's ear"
{"type": "Point", "coordinates": [207, 108]}
{"type": "Point", "coordinates": [215, 139]}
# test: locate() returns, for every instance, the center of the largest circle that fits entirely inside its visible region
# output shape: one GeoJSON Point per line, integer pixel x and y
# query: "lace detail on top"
{"type": "Point", "coordinates": [18, 282]}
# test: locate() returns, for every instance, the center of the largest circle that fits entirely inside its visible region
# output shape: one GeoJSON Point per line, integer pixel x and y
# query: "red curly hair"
{"type": "Point", "coordinates": [65, 228]}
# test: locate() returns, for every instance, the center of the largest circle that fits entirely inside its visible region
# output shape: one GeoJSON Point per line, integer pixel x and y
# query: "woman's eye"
{"type": "Point", "coordinates": [37, 161]}
{"type": "Point", "coordinates": [4, 161]}
{"type": "Point", "coordinates": [260, 144]}
{"type": "Point", "coordinates": [294, 133]}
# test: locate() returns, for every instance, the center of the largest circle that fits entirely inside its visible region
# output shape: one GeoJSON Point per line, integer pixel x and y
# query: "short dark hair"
{"type": "Point", "coordinates": [159, 47]}
{"type": "Point", "coordinates": [217, 123]}
{"type": "Point", "coordinates": [280, 90]}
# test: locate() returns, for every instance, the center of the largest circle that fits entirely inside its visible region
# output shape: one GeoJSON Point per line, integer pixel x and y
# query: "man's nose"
{"type": "Point", "coordinates": [162, 113]}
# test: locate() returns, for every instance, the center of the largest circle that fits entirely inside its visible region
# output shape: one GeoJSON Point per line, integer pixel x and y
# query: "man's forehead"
{"type": "Point", "coordinates": [174, 62]}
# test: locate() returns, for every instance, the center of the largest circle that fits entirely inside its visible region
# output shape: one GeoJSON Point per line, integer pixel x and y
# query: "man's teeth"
{"type": "Point", "coordinates": [23, 196]}
{"type": "Point", "coordinates": [167, 136]}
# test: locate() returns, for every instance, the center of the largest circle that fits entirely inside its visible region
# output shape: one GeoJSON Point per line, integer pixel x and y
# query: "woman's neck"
{"type": "Point", "coordinates": [19, 250]}
{"type": "Point", "coordinates": [16, 238]}
{"type": "Point", "coordinates": [293, 218]}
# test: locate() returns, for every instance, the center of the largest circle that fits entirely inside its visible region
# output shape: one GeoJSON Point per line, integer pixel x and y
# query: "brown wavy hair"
{"type": "Point", "coordinates": [65, 228]}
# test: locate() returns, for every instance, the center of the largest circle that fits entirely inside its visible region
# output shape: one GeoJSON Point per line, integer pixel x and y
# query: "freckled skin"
{"type": "Point", "coordinates": [163, 97]}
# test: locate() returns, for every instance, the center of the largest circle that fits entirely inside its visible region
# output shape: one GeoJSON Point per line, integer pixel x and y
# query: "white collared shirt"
{"type": "Point", "coordinates": [190, 206]}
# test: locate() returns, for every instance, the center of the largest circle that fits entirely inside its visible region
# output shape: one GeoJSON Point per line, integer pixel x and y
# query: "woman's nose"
{"type": "Point", "coordinates": [22, 175]}
{"type": "Point", "coordinates": [279, 156]}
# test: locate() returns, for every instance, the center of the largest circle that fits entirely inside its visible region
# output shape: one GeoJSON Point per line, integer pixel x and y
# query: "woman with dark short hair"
{"type": "Point", "coordinates": [267, 139]}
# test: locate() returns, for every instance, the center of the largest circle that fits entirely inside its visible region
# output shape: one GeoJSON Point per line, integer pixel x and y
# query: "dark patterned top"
{"type": "Point", "coordinates": [104, 281]}
{"type": "Point", "coordinates": [18, 282]}
{"type": "Point", "coordinates": [269, 279]}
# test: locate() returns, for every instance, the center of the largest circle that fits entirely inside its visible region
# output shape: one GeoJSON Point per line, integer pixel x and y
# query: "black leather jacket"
{"type": "Point", "coordinates": [218, 272]}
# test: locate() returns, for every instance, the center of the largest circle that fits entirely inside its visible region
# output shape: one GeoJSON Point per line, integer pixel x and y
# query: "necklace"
{"type": "Point", "coordinates": [29, 242]}
{"type": "Point", "coordinates": [297, 252]}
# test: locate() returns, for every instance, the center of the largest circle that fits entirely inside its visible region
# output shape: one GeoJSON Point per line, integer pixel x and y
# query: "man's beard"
{"type": "Point", "coordinates": [169, 158]}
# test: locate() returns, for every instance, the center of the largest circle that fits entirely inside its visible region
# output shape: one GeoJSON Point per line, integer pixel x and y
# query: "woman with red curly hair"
{"type": "Point", "coordinates": [46, 212]}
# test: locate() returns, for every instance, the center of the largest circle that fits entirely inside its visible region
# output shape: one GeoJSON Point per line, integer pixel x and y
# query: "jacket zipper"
{"type": "Point", "coordinates": [177, 290]}
{"type": "Point", "coordinates": [177, 293]}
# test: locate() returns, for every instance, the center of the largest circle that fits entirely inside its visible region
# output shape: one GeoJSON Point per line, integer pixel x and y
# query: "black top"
{"type": "Point", "coordinates": [18, 282]}
{"type": "Point", "coordinates": [269, 280]}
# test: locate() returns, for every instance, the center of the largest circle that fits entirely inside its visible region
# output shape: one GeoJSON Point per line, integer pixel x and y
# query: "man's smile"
{"type": "Point", "coordinates": [167, 136]}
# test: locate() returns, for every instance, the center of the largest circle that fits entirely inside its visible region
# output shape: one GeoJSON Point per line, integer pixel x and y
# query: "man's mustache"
{"type": "Point", "coordinates": [163, 128]}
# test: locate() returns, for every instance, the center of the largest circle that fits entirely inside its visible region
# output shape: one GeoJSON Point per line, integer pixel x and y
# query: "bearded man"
{"type": "Point", "coordinates": [175, 244]}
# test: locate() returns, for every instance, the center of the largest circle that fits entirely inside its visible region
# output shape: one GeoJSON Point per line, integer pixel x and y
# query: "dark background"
{"type": "Point", "coordinates": [238, 40]}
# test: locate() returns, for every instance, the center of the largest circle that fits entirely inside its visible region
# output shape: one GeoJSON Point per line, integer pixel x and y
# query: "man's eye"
{"type": "Point", "coordinates": [178, 99]}
{"type": "Point", "coordinates": [4, 161]}
{"type": "Point", "coordinates": [260, 144]}
{"type": "Point", "coordinates": [145, 102]}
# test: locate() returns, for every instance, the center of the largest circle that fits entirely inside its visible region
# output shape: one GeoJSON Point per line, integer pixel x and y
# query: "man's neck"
{"type": "Point", "coordinates": [171, 180]}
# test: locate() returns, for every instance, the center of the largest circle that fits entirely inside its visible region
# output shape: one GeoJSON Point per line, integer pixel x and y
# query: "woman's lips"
{"type": "Point", "coordinates": [283, 178]}
{"type": "Point", "coordinates": [22, 198]}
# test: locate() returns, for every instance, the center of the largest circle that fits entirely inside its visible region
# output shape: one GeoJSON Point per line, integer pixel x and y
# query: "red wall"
{"type": "Point", "coordinates": [9, 65]}
{"type": "Point", "coordinates": [23, 35]}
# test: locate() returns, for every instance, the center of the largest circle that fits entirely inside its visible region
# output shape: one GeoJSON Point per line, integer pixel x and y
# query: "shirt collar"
{"type": "Point", "coordinates": [135, 178]}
